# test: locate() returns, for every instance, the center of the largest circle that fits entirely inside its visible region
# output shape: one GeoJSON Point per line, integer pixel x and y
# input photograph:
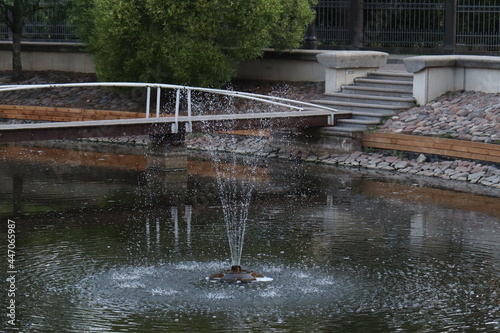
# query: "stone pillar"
{"type": "Point", "coordinates": [167, 152]}
{"type": "Point", "coordinates": [342, 67]}
{"type": "Point", "coordinates": [311, 41]}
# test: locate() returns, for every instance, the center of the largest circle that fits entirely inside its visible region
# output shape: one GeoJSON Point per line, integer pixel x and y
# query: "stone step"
{"type": "Point", "coordinates": [394, 84]}
{"type": "Point", "coordinates": [374, 114]}
{"type": "Point", "coordinates": [371, 99]}
{"type": "Point", "coordinates": [406, 77]}
{"type": "Point", "coordinates": [343, 129]}
{"type": "Point", "coordinates": [366, 107]}
{"type": "Point", "coordinates": [368, 122]}
{"type": "Point", "coordinates": [353, 126]}
{"type": "Point", "coordinates": [377, 91]}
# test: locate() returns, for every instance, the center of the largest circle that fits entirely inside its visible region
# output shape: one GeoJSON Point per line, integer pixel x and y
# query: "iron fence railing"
{"type": "Point", "coordinates": [332, 22]}
{"type": "Point", "coordinates": [49, 22]}
{"type": "Point", "coordinates": [478, 25]}
{"type": "Point", "coordinates": [403, 23]}
{"type": "Point", "coordinates": [453, 25]}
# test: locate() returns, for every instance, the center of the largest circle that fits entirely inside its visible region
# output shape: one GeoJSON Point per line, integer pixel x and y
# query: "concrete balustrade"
{"type": "Point", "coordinates": [435, 75]}
{"type": "Point", "coordinates": [342, 67]}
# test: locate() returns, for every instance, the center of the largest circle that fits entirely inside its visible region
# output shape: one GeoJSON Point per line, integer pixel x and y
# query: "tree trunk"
{"type": "Point", "coordinates": [17, 25]}
{"type": "Point", "coordinates": [17, 65]}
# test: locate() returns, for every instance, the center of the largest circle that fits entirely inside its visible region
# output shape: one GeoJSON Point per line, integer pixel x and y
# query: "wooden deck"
{"type": "Point", "coordinates": [163, 125]}
{"type": "Point", "coordinates": [431, 145]}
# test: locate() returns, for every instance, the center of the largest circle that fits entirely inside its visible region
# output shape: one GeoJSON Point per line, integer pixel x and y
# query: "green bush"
{"type": "Point", "coordinates": [191, 42]}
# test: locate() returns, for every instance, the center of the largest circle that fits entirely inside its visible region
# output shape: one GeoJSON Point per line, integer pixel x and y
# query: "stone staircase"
{"type": "Point", "coordinates": [370, 100]}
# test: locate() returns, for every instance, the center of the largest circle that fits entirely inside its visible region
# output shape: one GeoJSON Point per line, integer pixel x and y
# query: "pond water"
{"type": "Point", "coordinates": [104, 244]}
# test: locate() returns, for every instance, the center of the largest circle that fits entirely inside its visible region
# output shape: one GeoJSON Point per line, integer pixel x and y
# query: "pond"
{"type": "Point", "coordinates": [106, 244]}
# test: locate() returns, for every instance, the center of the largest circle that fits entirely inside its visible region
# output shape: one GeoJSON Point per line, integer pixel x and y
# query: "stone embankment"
{"type": "Point", "coordinates": [465, 116]}
{"type": "Point", "coordinates": [472, 172]}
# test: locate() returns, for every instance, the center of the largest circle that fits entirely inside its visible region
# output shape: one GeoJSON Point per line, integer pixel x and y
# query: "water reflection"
{"type": "Point", "coordinates": [125, 249]}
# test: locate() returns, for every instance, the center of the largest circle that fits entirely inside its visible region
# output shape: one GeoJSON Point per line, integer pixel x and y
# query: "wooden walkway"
{"type": "Point", "coordinates": [431, 145]}
{"type": "Point", "coordinates": [165, 125]}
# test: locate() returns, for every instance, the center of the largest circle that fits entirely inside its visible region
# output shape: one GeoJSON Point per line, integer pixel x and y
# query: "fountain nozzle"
{"type": "Point", "coordinates": [235, 274]}
{"type": "Point", "coordinates": [236, 269]}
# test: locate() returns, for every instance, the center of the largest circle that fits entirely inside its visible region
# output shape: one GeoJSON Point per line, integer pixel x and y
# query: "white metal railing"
{"type": "Point", "coordinates": [273, 100]}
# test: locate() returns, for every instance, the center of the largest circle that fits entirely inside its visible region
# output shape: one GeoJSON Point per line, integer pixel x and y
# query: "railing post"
{"type": "Point", "coordinates": [450, 29]}
{"type": "Point", "coordinates": [189, 125]}
{"type": "Point", "coordinates": [158, 97]}
{"type": "Point", "coordinates": [175, 126]}
{"type": "Point", "coordinates": [148, 101]}
{"type": "Point", "coordinates": [356, 24]}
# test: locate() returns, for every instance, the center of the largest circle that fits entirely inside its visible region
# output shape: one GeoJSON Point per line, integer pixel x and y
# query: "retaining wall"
{"type": "Point", "coordinates": [435, 75]}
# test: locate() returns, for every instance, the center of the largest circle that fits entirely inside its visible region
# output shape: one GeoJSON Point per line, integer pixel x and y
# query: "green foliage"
{"type": "Point", "coordinates": [368, 150]}
{"type": "Point", "coordinates": [397, 153]}
{"type": "Point", "coordinates": [195, 42]}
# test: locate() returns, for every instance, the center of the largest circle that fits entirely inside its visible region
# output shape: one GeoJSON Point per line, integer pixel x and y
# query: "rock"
{"type": "Point", "coordinates": [384, 166]}
{"type": "Point", "coordinates": [421, 158]}
{"type": "Point", "coordinates": [323, 157]}
{"type": "Point", "coordinates": [460, 176]}
{"type": "Point", "coordinates": [475, 177]}
{"type": "Point", "coordinates": [391, 159]}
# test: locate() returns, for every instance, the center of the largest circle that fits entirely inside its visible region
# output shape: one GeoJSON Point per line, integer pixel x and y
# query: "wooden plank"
{"type": "Point", "coordinates": [428, 139]}
{"type": "Point", "coordinates": [13, 113]}
{"type": "Point", "coordinates": [456, 145]}
{"type": "Point", "coordinates": [438, 143]}
{"type": "Point", "coordinates": [63, 114]}
{"type": "Point", "coordinates": [431, 145]}
{"type": "Point", "coordinates": [450, 153]}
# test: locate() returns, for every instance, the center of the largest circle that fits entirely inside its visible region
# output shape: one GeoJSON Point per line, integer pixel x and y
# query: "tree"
{"type": "Point", "coordinates": [15, 14]}
{"type": "Point", "coordinates": [196, 42]}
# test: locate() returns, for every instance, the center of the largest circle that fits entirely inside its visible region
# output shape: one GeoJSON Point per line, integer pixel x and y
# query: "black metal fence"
{"type": "Point", "coordinates": [478, 25]}
{"type": "Point", "coordinates": [49, 22]}
{"type": "Point", "coordinates": [424, 26]}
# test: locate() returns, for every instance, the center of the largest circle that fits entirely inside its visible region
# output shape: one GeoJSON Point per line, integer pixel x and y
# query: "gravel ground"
{"type": "Point", "coordinates": [468, 115]}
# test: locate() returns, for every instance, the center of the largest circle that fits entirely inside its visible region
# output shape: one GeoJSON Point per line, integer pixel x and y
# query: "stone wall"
{"type": "Point", "coordinates": [436, 75]}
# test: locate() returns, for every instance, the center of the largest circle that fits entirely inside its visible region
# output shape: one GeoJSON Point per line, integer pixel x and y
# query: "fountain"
{"type": "Point", "coordinates": [235, 191]}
